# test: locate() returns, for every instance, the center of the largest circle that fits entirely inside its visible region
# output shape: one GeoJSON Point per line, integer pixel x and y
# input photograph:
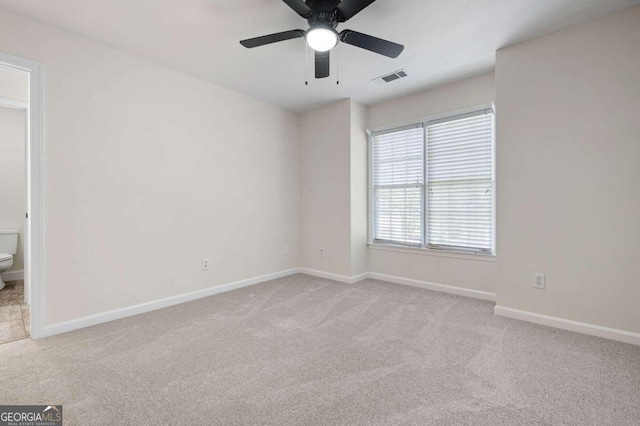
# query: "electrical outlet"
{"type": "Point", "coordinates": [286, 250]}
{"type": "Point", "coordinates": [538, 281]}
{"type": "Point", "coordinates": [321, 252]}
{"type": "Point", "coordinates": [205, 264]}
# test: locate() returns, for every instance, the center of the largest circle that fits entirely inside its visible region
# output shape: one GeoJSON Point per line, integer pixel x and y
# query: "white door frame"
{"type": "Point", "coordinates": [35, 223]}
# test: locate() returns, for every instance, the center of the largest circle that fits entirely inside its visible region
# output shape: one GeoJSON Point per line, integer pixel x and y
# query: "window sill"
{"type": "Point", "coordinates": [432, 252]}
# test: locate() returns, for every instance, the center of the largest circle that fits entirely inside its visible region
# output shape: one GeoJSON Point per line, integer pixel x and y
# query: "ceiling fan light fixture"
{"type": "Point", "coordinates": [321, 38]}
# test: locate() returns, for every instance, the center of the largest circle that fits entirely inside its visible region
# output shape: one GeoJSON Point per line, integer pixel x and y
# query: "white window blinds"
{"type": "Point", "coordinates": [398, 185]}
{"type": "Point", "coordinates": [460, 182]}
{"type": "Point", "coordinates": [448, 161]}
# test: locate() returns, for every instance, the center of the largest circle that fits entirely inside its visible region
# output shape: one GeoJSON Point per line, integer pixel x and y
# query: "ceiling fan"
{"type": "Point", "coordinates": [323, 17]}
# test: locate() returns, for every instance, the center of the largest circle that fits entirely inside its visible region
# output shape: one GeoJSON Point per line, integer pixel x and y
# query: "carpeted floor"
{"type": "Point", "coordinates": [302, 350]}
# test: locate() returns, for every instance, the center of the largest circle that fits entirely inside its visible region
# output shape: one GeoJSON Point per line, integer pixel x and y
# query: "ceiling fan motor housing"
{"type": "Point", "coordinates": [323, 12]}
{"type": "Point", "coordinates": [323, 18]}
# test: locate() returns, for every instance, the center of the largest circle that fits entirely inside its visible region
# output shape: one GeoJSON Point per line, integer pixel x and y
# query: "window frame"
{"type": "Point", "coordinates": [422, 186]}
{"type": "Point", "coordinates": [424, 248]}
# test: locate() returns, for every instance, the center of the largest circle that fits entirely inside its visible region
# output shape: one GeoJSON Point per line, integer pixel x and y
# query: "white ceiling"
{"type": "Point", "coordinates": [445, 40]}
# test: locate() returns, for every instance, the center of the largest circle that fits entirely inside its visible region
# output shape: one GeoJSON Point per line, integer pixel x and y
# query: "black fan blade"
{"type": "Point", "coordinates": [322, 64]}
{"type": "Point", "coordinates": [350, 8]}
{"type": "Point", "coordinates": [374, 44]}
{"type": "Point", "coordinates": [300, 7]}
{"type": "Point", "coordinates": [272, 38]}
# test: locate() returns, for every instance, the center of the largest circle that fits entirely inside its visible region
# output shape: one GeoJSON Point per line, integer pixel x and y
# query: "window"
{"type": "Point", "coordinates": [433, 184]}
{"type": "Point", "coordinates": [398, 185]}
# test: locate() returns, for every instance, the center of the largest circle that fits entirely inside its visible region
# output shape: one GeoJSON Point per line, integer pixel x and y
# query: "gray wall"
{"type": "Point", "coordinates": [569, 173]}
{"type": "Point", "coordinates": [148, 171]}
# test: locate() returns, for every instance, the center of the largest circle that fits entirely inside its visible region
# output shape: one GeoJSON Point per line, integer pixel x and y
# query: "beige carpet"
{"type": "Point", "coordinates": [302, 350]}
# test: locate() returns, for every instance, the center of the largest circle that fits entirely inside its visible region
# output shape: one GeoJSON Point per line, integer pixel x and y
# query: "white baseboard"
{"type": "Point", "coordinates": [332, 276]}
{"type": "Point", "coordinates": [590, 329]}
{"type": "Point", "coordinates": [13, 275]}
{"type": "Point", "coordinates": [461, 291]}
{"type": "Point", "coordinates": [565, 324]}
{"type": "Point", "coordinates": [88, 321]}
{"type": "Point", "coordinates": [476, 294]}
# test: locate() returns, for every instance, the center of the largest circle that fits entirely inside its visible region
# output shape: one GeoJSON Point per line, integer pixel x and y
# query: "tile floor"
{"type": "Point", "coordinates": [14, 314]}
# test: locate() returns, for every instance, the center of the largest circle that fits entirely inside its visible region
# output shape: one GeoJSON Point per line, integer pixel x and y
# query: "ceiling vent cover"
{"type": "Point", "coordinates": [388, 78]}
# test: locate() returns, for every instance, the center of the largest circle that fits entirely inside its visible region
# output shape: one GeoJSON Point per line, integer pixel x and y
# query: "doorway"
{"type": "Point", "coordinates": [14, 294]}
{"type": "Point", "coordinates": [22, 229]}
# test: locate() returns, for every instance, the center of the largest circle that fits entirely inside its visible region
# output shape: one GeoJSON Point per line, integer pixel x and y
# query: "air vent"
{"type": "Point", "coordinates": [388, 78]}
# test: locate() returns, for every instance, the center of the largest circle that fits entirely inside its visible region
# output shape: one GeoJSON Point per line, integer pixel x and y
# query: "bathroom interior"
{"type": "Point", "coordinates": [14, 298]}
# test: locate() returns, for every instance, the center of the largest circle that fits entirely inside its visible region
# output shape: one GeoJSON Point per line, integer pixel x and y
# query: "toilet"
{"type": "Point", "coordinates": [8, 247]}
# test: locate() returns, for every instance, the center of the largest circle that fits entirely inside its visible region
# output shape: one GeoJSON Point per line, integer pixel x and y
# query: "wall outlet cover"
{"type": "Point", "coordinates": [538, 281]}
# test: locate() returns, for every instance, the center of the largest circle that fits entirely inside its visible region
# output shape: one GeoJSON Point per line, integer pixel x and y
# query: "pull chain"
{"type": "Point", "coordinates": [306, 64]}
{"type": "Point", "coordinates": [338, 65]}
